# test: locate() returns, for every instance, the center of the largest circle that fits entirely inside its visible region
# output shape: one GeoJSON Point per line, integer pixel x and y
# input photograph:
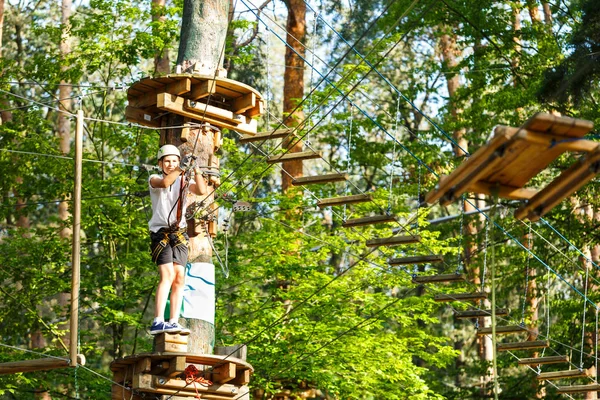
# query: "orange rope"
{"type": "Point", "coordinates": [192, 375]}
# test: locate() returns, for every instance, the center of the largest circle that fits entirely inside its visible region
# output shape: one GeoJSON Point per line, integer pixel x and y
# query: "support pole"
{"type": "Point", "coordinates": [75, 258]}
{"type": "Point", "coordinates": [493, 273]}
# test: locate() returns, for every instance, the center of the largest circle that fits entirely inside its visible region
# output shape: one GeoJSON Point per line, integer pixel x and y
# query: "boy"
{"type": "Point", "coordinates": [168, 235]}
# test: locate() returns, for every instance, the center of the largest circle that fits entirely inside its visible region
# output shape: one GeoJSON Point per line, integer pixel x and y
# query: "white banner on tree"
{"type": "Point", "coordinates": [199, 292]}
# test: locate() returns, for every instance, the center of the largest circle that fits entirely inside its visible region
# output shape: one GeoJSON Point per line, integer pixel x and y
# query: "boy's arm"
{"type": "Point", "coordinates": [200, 186]}
{"type": "Point", "coordinates": [165, 181]}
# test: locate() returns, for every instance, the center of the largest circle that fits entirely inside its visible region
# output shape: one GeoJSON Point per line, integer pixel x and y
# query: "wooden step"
{"type": "Point", "coordinates": [301, 155]}
{"type": "Point", "coordinates": [372, 220]}
{"type": "Point", "coordinates": [502, 330]}
{"type": "Point", "coordinates": [532, 344]}
{"type": "Point", "coordinates": [500, 312]}
{"type": "Point", "coordinates": [593, 387]}
{"type": "Point", "coordinates": [568, 374]}
{"type": "Point", "coordinates": [543, 360]}
{"type": "Point", "coordinates": [319, 179]}
{"type": "Point", "coordinates": [277, 134]}
{"type": "Point", "coordinates": [429, 259]}
{"type": "Point", "coordinates": [442, 298]}
{"type": "Point", "coordinates": [343, 200]}
{"type": "Point", "coordinates": [393, 241]}
{"type": "Point", "coordinates": [439, 278]}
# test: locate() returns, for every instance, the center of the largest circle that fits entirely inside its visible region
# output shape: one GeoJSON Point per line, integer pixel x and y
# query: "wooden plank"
{"type": "Point", "coordinates": [501, 312]}
{"type": "Point", "coordinates": [444, 298]}
{"type": "Point", "coordinates": [142, 117]}
{"type": "Point", "coordinates": [501, 136]}
{"type": "Point", "coordinates": [276, 134]}
{"type": "Point", "coordinates": [343, 200]}
{"type": "Point", "coordinates": [244, 103]}
{"type": "Point", "coordinates": [204, 89]}
{"type": "Point", "coordinates": [259, 109]}
{"type": "Point", "coordinates": [176, 366]}
{"type": "Point", "coordinates": [160, 382]}
{"type": "Point", "coordinates": [372, 220]}
{"type": "Point", "coordinates": [503, 191]}
{"type": "Point", "coordinates": [502, 330]}
{"type": "Point", "coordinates": [143, 365]}
{"type": "Point", "coordinates": [203, 112]}
{"type": "Point", "coordinates": [242, 378]}
{"type": "Point", "coordinates": [224, 372]}
{"type": "Point", "coordinates": [301, 155]}
{"type": "Point", "coordinates": [393, 241]}
{"type": "Point", "coordinates": [565, 143]}
{"type": "Point", "coordinates": [118, 392]}
{"type": "Point", "coordinates": [442, 278]}
{"type": "Point", "coordinates": [559, 125]}
{"type": "Point", "coordinates": [148, 99]}
{"type": "Point", "coordinates": [567, 183]}
{"type": "Point", "coordinates": [319, 179]}
{"type": "Point", "coordinates": [593, 387]}
{"type": "Point", "coordinates": [42, 364]}
{"type": "Point", "coordinates": [532, 344]}
{"type": "Point", "coordinates": [543, 360]}
{"type": "Point", "coordinates": [433, 258]}
{"type": "Point", "coordinates": [568, 374]}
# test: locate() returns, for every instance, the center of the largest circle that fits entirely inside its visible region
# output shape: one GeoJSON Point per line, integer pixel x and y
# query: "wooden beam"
{"type": "Point", "coordinates": [177, 366]}
{"type": "Point", "coordinates": [301, 155]}
{"type": "Point", "coordinates": [594, 387]}
{"type": "Point", "coordinates": [343, 200]}
{"type": "Point", "coordinates": [242, 378]}
{"type": "Point", "coordinates": [276, 134]}
{"type": "Point", "coordinates": [244, 103]}
{"type": "Point", "coordinates": [531, 344]}
{"type": "Point", "coordinates": [502, 330]}
{"type": "Point", "coordinates": [505, 192]}
{"type": "Point", "coordinates": [160, 382]}
{"type": "Point", "coordinates": [203, 89]}
{"type": "Point", "coordinates": [442, 278]}
{"type": "Point", "coordinates": [142, 117]}
{"type": "Point", "coordinates": [319, 179]}
{"type": "Point", "coordinates": [148, 99]}
{"type": "Point", "coordinates": [393, 241]}
{"type": "Point", "coordinates": [502, 312]}
{"type": "Point", "coordinates": [543, 360]}
{"type": "Point", "coordinates": [444, 298]}
{"type": "Point", "coordinates": [567, 183]}
{"type": "Point", "coordinates": [434, 258]}
{"type": "Point", "coordinates": [564, 143]}
{"type": "Point", "coordinates": [559, 125]}
{"type": "Point", "coordinates": [372, 220]}
{"type": "Point", "coordinates": [41, 364]}
{"type": "Point", "coordinates": [224, 372]}
{"type": "Point", "coordinates": [568, 374]}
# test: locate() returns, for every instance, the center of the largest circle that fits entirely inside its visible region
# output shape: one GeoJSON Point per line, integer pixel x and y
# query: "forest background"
{"type": "Point", "coordinates": [397, 93]}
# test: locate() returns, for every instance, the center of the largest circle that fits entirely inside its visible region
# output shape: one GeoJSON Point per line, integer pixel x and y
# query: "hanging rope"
{"type": "Point", "coordinates": [587, 271]}
{"type": "Point", "coordinates": [349, 154]}
{"type": "Point", "coordinates": [462, 235]}
{"type": "Point", "coordinates": [389, 209]}
{"type": "Point", "coordinates": [192, 376]}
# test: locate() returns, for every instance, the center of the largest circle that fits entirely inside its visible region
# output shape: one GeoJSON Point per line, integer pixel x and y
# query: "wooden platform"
{"type": "Point", "coordinates": [448, 297]}
{"type": "Point", "coordinates": [343, 200]}
{"type": "Point", "coordinates": [502, 330]}
{"type": "Point", "coordinates": [593, 387]}
{"type": "Point", "coordinates": [544, 360]}
{"type": "Point", "coordinates": [222, 102]}
{"type": "Point", "coordinates": [164, 374]}
{"type": "Point", "coordinates": [515, 155]}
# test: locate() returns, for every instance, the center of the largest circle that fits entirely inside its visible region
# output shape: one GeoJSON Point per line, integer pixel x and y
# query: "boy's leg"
{"type": "Point", "coordinates": [177, 291]}
{"type": "Point", "coordinates": [167, 275]}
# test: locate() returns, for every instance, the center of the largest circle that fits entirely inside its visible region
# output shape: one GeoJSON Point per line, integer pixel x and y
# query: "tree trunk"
{"type": "Point", "coordinates": [547, 13]}
{"type": "Point", "coordinates": [162, 63]}
{"type": "Point", "coordinates": [293, 85]}
{"type": "Point", "coordinates": [534, 12]}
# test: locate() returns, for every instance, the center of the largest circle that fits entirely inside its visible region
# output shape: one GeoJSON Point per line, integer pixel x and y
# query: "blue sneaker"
{"type": "Point", "coordinates": [162, 327]}
{"type": "Point", "coordinates": [180, 329]}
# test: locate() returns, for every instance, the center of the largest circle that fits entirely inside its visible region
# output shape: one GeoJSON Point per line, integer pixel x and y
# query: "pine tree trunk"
{"type": "Point", "coordinates": [162, 63]}
{"type": "Point", "coordinates": [293, 85]}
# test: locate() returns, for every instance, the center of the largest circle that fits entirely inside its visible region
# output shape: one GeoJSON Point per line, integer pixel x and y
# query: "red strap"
{"type": "Point", "coordinates": [192, 376]}
{"type": "Point", "coordinates": [180, 200]}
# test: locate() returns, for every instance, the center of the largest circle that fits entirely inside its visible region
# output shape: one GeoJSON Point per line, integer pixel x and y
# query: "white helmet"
{"type": "Point", "coordinates": [168, 150]}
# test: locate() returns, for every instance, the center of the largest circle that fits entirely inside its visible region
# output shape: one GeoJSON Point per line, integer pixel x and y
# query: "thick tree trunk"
{"type": "Point", "coordinates": [293, 85]}
{"type": "Point", "coordinates": [534, 11]}
{"type": "Point", "coordinates": [162, 63]}
{"type": "Point", "coordinates": [547, 13]}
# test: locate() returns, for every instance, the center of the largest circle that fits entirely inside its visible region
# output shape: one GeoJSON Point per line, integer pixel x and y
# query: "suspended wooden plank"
{"type": "Point", "coordinates": [42, 364]}
{"type": "Point", "coordinates": [567, 183]}
{"type": "Point", "coordinates": [301, 155]}
{"type": "Point", "coordinates": [393, 241]}
{"type": "Point", "coordinates": [372, 220]}
{"type": "Point", "coordinates": [502, 330]}
{"type": "Point", "coordinates": [343, 200]}
{"type": "Point", "coordinates": [444, 298]}
{"type": "Point", "coordinates": [439, 278]}
{"type": "Point", "coordinates": [558, 125]}
{"type": "Point", "coordinates": [428, 259]}
{"type": "Point", "coordinates": [568, 374]}
{"type": "Point", "coordinates": [532, 344]}
{"type": "Point", "coordinates": [276, 134]}
{"type": "Point", "coordinates": [503, 191]}
{"type": "Point", "coordinates": [319, 179]}
{"type": "Point", "coordinates": [544, 360]}
{"type": "Point", "coordinates": [593, 387]}
{"type": "Point", "coordinates": [500, 312]}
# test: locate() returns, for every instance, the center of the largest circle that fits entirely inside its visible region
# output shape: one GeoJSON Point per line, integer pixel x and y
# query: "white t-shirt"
{"type": "Point", "coordinates": [163, 201]}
